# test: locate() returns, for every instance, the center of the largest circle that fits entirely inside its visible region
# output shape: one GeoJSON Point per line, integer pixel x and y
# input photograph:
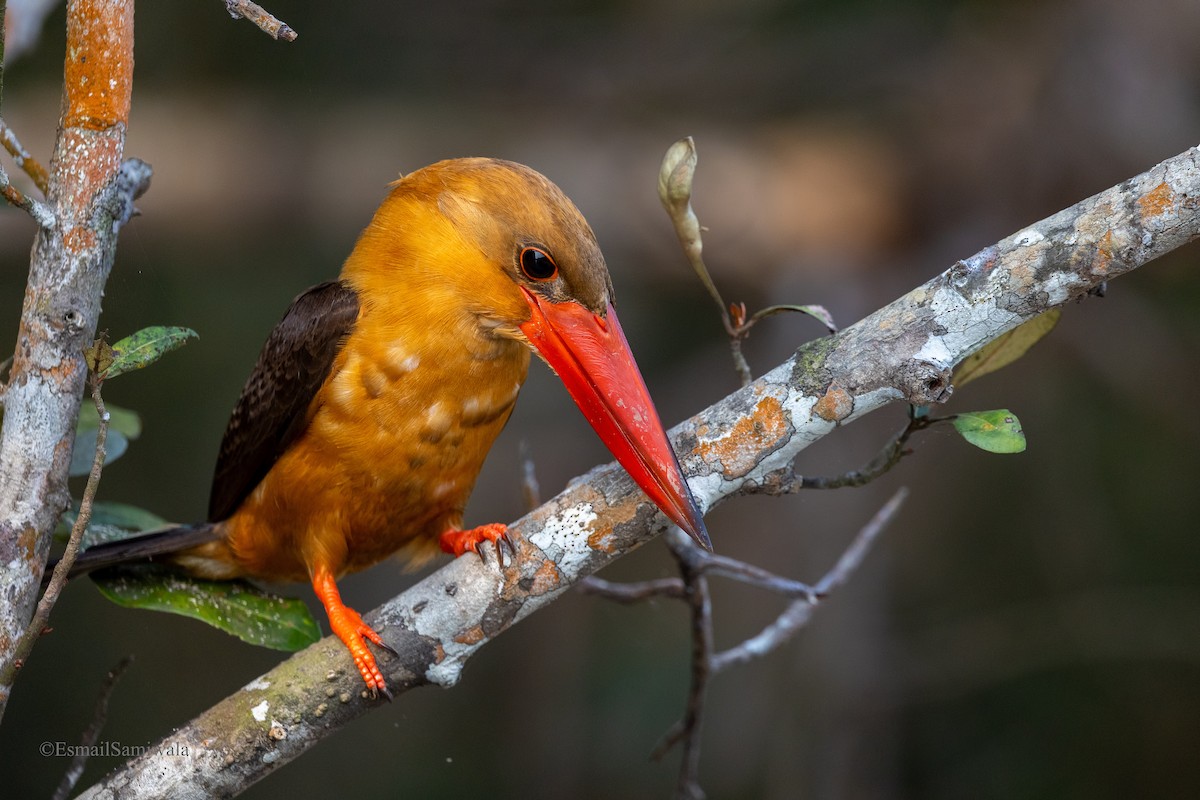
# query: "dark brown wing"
{"type": "Point", "coordinates": [272, 410]}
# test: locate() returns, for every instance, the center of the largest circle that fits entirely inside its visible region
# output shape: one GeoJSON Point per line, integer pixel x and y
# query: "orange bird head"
{"type": "Point", "coordinates": [505, 243]}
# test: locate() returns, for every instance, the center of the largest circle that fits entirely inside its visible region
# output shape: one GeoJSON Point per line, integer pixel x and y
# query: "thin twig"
{"type": "Point", "coordinates": [23, 159]}
{"type": "Point", "coordinates": [92, 734]}
{"type": "Point", "coordinates": [888, 457]}
{"type": "Point", "coordinates": [798, 613]}
{"type": "Point", "coordinates": [744, 572]}
{"type": "Point", "coordinates": [58, 580]}
{"type": "Point", "coordinates": [853, 556]}
{"type": "Point", "coordinates": [633, 592]}
{"type": "Point", "coordinates": [688, 730]}
{"type": "Point", "coordinates": [703, 563]}
{"type": "Point", "coordinates": [785, 481]}
{"type": "Point", "coordinates": [268, 24]}
{"type": "Point", "coordinates": [40, 212]}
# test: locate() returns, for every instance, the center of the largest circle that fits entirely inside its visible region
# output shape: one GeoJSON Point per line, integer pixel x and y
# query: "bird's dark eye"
{"type": "Point", "coordinates": [537, 264]}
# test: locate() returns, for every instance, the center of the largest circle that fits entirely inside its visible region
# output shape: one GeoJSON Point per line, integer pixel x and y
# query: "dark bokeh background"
{"type": "Point", "coordinates": [1030, 627]}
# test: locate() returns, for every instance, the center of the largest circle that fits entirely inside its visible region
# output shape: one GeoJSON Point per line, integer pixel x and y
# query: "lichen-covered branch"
{"type": "Point", "coordinates": [41, 615]}
{"type": "Point", "coordinates": [91, 193]}
{"type": "Point", "coordinates": [904, 351]}
{"type": "Point", "coordinates": [266, 22]}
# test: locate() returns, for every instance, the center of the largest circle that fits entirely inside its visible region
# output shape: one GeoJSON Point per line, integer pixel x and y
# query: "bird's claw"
{"type": "Point", "coordinates": [458, 542]}
{"type": "Point", "coordinates": [501, 542]}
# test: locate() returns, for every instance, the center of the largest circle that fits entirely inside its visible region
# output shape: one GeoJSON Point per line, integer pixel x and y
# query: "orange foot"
{"type": "Point", "coordinates": [457, 542]}
{"type": "Point", "coordinates": [348, 626]}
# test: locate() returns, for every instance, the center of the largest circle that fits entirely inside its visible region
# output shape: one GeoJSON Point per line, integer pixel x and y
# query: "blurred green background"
{"type": "Point", "coordinates": [1029, 627]}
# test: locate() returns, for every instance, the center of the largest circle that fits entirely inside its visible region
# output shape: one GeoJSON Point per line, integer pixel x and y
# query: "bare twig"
{"type": "Point", "coordinates": [22, 158]}
{"type": "Point", "coordinates": [688, 730]}
{"type": "Point", "coordinates": [633, 592]}
{"type": "Point", "coordinates": [58, 581]}
{"type": "Point", "coordinates": [798, 613]}
{"type": "Point", "coordinates": [92, 734]}
{"type": "Point", "coordinates": [786, 481]}
{"type": "Point", "coordinates": [694, 565]}
{"type": "Point", "coordinates": [41, 213]}
{"type": "Point", "coordinates": [711, 563]}
{"type": "Point", "coordinates": [268, 24]}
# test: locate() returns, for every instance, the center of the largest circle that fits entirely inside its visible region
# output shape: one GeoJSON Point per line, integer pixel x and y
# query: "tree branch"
{"type": "Point", "coordinates": [268, 24]}
{"type": "Point", "coordinates": [41, 614]}
{"type": "Point", "coordinates": [904, 351]}
{"type": "Point", "coordinates": [91, 193]}
{"type": "Point", "coordinates": [22, 158]}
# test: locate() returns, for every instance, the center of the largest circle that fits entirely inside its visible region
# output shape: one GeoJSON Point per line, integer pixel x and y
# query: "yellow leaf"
{"type": "Point", "coordinates": [1006, 349]}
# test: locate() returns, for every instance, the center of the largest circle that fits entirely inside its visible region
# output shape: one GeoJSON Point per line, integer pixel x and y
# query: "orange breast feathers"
{"type": "Point", "coordinates": [397, 433]}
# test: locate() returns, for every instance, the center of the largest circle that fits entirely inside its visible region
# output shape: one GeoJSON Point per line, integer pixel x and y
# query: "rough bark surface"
{"type": "Point", "coordinates": [91, 193]}
{"type": "Point", "coordinates": [905, 351]}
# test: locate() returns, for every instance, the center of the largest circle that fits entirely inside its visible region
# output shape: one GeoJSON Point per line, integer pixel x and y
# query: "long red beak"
{"type": "Point", "coordinates": [592, 358]}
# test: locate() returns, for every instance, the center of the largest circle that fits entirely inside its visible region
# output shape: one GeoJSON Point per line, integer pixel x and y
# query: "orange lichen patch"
{"type": "Point", "coordinates": [1156, 202]}
{"type": "Point", "coordinates": [79, 238]}
{"type": "Point", "coordinates": [835, 405]}
{"type": "Point", "coordinates": [27, 543]}
{"type": "Point", "coordinates": [472, 635]}
{"type": "Point", "coordinates": [739, 450]}
{"type": "Point", "coordinates": [98, 75]}
{"type": "Point", "coordinates": [1104, 254]}
{"type": "Point", "coordinates": [65, 373]}
{"type": "Point", "coordinates": [602, 540]}
{"type": "Point", "coordinates": [91, 159]}
{"type": "Point", "coordinates": [546, 579]}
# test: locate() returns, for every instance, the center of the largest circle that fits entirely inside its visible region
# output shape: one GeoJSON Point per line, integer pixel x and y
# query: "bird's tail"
{"type": "Point", "coordinates": [157, 545]}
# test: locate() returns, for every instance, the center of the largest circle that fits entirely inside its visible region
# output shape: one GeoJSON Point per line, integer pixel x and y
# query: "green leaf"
{"type": "Point", "coordinates": [83, 452]}
{"type": "Point", "coordinates": [119, 419]}
{"type": "Point", "coordinates": [110, 522]}
{"type": "Point", "coordinates": [1004, 350]}
{"type": "Point", "coordinates": [819, 313]}
{"type": "Point", "coordinates": [236, 607]}
{"type": "Point", "coordinates": [996, 431]}
{"type": "Point", "coordinates": [148, 345]}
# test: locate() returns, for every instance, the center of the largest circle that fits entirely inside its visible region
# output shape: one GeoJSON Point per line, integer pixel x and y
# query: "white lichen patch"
{"type": "Point", "coordinates": [455, 625]}
{"type": "Point", "coordinates": [259, 712]}
{"type": "Point", "coordinates": [1028, 237]}
{"type": "Point", "coordinates": [258, 684]}
{"type": "Point", "coordinates": [967, 324]}
{"type": "Point", "coordinates": [935, 352]}
{"type": "Point", "coordinates": [1059, 286]}
{"type": "Point", "coordinates": [708, 489]}
{"type": "Point", "coordinates": [564, 537]}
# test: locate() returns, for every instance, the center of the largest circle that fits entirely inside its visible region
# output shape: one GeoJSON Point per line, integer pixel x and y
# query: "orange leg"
{"type": "Point", "coordinates": [350, 628]}
{"type": "Point", "coordinates": [457, 542]}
